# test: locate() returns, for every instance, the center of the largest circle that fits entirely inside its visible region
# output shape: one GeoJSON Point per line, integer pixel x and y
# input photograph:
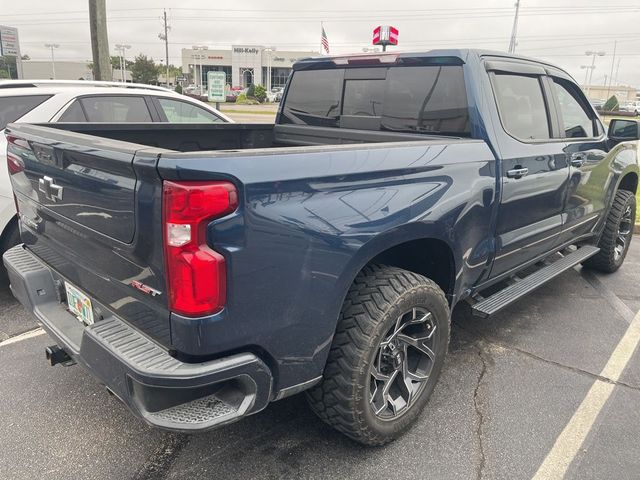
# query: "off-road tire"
{"type": "Point", "coordinates": [377, 297]}
{"type": "Point", "coordinates": [605, 260]}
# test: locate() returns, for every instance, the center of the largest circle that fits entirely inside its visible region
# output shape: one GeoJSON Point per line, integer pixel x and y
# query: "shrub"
{"type": "Point", "coordinates": [251, 91]}
{"type": "Point", "coordinates": [242, 99]}
{"type": "Point", "coordinates": [260, 93]}
{"type": "Point", "coordinates": [178, 88]}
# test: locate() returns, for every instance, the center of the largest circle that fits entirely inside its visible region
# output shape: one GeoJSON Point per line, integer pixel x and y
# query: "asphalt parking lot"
{"type": "Point", "coordinates": [509, 388]}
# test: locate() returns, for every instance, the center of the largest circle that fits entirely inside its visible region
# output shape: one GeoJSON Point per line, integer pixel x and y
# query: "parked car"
{"type": "Point", "coordinates": [228, 266]}
{"type": "Point", "coordinates": [37, 101]}
{"type": "Point", "coordinates": [631, 107]}
{"type": "Point", "coordinates": [277, 91]}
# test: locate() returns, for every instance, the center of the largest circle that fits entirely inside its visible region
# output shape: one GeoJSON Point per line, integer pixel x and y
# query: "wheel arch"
{"type": "Point", "coordinates": [419, 248]}
{"type": "Point", "coordinates": [629, 182]}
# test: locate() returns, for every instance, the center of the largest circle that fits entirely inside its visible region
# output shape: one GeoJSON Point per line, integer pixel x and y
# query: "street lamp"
{"type": "Point", "coordinates": [269, 51]}
{"type": "Point", "coordinates": [52, 46]}
{"type": "Point", "coordinates": [593, 55]}
{"type": "Point", "coordinates": [122, 48]}
{"type": "Point", "coordinates": [201, 55]}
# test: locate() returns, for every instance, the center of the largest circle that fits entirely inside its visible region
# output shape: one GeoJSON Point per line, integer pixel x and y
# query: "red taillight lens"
{"type": "Point", "coordinates": [196, 275]}
{"type": "Point", "coordinates": [14, 163]}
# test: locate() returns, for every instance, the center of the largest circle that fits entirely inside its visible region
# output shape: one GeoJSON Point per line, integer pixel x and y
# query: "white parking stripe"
{"type": "Point", "coordinates": [22, 336]}
{"type": "Point", "coordinates": [570, 441]}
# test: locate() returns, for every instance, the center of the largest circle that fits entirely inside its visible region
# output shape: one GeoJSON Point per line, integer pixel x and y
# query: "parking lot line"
{"type": "Point", "coordinates": [23, 336]}
{"type": "Point", "coordinates": [568, 444]}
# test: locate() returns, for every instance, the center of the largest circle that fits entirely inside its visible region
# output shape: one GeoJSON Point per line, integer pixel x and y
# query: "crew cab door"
{"type": "Point", "coordinates": [586, 149]}
{"type": "Point", "coordinates": [534, 169]}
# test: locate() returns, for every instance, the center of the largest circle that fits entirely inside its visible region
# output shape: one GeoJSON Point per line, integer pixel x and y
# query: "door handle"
{"type": "Point", "coordinates": [577, 159]}
{"type": "Point", "coordinates": [517, 172]}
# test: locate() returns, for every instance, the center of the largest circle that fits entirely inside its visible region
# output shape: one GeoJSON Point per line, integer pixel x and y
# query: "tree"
{"type": "Point", "coordinates": [115, 63]}
{"type": "Point", "coordinates": [144, 70]}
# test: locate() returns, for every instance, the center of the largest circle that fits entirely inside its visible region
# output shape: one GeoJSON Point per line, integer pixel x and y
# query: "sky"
{"type": "Point", "coordinates": [558, 31]}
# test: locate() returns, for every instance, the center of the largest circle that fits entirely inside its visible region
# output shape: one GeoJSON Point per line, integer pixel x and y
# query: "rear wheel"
{"type": "Point", "coordinates": [617, 234]}
{"type": "Point", "coordinates": [386, 356]}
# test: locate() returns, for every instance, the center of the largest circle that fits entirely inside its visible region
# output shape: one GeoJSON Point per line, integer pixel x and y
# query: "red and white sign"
{"type": "Point", "coordinates": [385, 35]}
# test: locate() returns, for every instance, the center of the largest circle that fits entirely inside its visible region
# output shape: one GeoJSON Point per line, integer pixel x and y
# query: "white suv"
{"type": "Point", "coordinates": [38, 101]}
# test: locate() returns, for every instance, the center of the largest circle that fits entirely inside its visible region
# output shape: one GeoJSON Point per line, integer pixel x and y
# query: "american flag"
{"type": "Point", "coordinates": [324, 40]}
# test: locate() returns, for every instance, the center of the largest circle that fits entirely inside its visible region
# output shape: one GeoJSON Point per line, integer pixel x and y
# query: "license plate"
{"type": "Point", "coordinates": [79, 304]}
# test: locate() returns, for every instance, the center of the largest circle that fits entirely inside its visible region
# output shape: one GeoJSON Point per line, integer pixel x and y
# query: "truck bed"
{"type": "Point", "coordinates": [231, 136]}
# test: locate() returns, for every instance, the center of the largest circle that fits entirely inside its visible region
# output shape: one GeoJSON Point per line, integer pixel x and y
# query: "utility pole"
{"type": "Point", "coordinates": [51, 46]}
{"type": "Point", "coordinates": [613, 61]}
{"type": "Point", "coordinates": [99, 40]}
{"type": "Point", "coordinates": [514, 30]}
{"type": "Point", "coordinates": [123, 61]}
{"type": "Point", "coordinates": [165, 36]}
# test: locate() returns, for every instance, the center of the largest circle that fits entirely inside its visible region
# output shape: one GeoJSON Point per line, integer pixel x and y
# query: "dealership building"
{"type": "Point", "coordinates": [243, 64]}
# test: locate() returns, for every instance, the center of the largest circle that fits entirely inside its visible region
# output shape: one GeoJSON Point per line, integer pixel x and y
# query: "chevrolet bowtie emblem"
{"type": "Point", "coordinates": [51, 191]}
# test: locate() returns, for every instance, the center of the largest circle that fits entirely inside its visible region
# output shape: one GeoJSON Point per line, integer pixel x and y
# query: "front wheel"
{"type": "Point", "coordinates": [386, 356]}
{"type": "Point", "coordinates": [617, 234]}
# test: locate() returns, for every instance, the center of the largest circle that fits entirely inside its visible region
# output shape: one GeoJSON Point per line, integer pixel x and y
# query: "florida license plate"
{"type": "Point", "coordinates": [79, 304]}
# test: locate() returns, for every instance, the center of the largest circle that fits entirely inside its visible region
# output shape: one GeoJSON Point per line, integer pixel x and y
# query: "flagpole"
{"type": "Point", "coordinates": [321, 32]}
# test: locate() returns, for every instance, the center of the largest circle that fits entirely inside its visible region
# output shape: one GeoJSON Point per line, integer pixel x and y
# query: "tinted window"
{"type": "Point", "coordinates": [363, 97]}
{"type": "Point", "coordinates": [73, 114]}
{"type": "Point", "coordinates": [426, 99]}
{"type": "Point", "coordinates": [184, 112]}
{"type": "Point", "coordinates": [521, 105]}
{"type": "Point", "coordinates": [12, 108]}
{"type": "Point", "coordinates": [577, 122]}
{"type": "Point", "coordinates": [116, 109]}
{"type": "Point", "coordinates": [313, 98]}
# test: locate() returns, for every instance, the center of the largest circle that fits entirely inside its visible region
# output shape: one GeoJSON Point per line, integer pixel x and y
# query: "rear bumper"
{"type": "Point", "coordinates": [157, 387]}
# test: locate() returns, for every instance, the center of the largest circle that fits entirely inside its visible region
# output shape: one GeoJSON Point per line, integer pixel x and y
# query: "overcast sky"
{"type": "Point", "coordinates": [558, 31]}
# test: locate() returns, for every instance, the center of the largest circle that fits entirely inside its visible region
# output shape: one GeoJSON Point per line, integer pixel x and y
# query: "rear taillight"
{"type": "Point", "coordinates": [196, 274]}
{"type": "Point", "coordinates": [14, 163]}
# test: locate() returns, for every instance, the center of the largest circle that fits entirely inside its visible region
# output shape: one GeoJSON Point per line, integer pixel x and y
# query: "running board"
{"type": "Point", "coordinates": [496, 302]}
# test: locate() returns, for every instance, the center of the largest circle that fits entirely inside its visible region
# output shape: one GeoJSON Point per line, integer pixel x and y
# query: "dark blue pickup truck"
{"type": "Point", "coordinates": [203, 271]}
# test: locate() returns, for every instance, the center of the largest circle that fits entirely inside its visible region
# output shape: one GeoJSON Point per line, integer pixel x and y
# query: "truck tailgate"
{"type": "Point", "coordinates": [79, 199]}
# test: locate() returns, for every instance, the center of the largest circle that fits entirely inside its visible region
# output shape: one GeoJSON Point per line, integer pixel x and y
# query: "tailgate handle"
{"type": "Point", "coordinates": [50, 190]}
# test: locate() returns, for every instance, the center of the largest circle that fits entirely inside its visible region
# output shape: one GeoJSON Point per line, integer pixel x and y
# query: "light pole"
{"type": "Point", "coordinates": [201, 55]}
{"type": "Point", "coordinates": [122, 48]}
{"type": "Point", "coordinates": [269, 51]}
{"type": "Point", "coordinates": [52, 46]}
{"type": "Point", "coordinates": [593, 55]}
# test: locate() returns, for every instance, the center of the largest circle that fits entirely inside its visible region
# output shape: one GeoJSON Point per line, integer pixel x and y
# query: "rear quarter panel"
{"type": "Point", "coordinates": [310, 219]}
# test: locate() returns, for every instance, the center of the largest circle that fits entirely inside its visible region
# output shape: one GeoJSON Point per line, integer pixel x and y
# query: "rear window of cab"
{"type": "Point", "coordinates": [412, 99]}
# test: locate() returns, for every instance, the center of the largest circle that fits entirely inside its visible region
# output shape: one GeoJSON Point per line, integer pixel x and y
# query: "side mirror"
{"type": "Point", "coordinates": [621, 129]}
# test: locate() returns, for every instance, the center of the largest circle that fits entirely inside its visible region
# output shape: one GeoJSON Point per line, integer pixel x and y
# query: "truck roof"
{"type": "Point", "coordinates": [361, 59]}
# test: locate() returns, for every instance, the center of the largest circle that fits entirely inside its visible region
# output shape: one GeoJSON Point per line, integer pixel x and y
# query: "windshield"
{"type": "Point", "coordinates": [13, 108]}
{"type": "Point", "coordinates": [417, 99]}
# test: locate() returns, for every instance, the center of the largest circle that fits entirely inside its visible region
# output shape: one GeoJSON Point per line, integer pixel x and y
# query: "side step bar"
{"type": "Point", "coordinates": [510, 294]}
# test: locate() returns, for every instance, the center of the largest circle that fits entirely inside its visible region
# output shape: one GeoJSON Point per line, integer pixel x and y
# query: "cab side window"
{"type": "Point", "coordinates": [521, 105]}
{"type": "Point", "coordinates": [73, 114]}
{"type": "Point", "coordinates": [578, 123]}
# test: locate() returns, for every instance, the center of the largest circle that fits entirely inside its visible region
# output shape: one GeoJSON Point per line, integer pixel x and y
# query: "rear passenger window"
{"type": "Point", "coordinates": [73, 114]}
{"type": "Point", "coordinates": [12, 108]}
{"type": "Point", "coordinates": [521, 105]}
{"type": "Point", "coordinates": [121, 109]}
{"type": "Point", "coordinates": [577, 122]}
